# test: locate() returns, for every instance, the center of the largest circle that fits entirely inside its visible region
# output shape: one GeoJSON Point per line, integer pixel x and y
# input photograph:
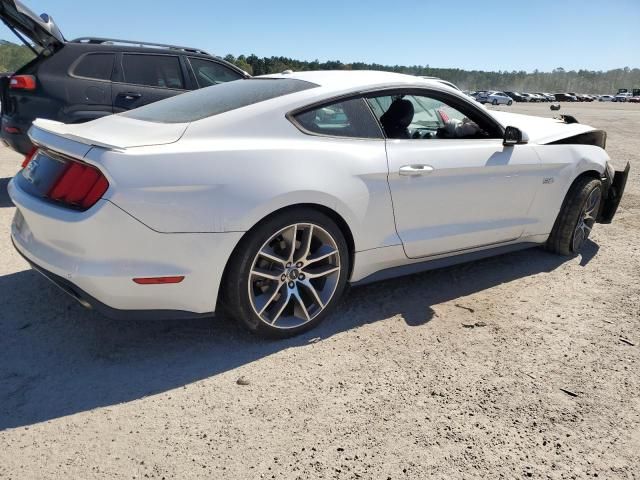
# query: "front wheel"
{"type": "Point", "coordinates": [287, 274]}
{"type": "Point", "coordinates": [509, 102]}
{"type": "Point", "coordinates": [577, 217]}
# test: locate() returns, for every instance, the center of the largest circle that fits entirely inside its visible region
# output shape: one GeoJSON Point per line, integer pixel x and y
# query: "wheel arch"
{"type": "Point", "coordinates": [329, 212]}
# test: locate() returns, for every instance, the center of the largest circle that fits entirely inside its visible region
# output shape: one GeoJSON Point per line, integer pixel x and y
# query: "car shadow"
{"type": "Point", "coordinates": [5, 201]}
{"type": "Point", "coordinates": [57, 359]}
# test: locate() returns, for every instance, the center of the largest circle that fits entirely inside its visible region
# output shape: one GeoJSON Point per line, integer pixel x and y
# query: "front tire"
{"type": "Point", "coordinates": [510, 102]}
{"type": "Point", "coordinates": [577, 217]}
{"type": "Point", "coordinates": [287, 274]}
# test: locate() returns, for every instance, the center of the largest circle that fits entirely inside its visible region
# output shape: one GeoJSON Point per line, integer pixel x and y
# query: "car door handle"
{"type": "Point", "coordinates": [130, 95]}
{"type": "Point", "coordinates": [415, 170]}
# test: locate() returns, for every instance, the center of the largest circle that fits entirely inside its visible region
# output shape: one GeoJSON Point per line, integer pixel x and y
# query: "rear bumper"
{"type": "Point", "coordinates": [95, 255]}
{"type": "Point", "coordinates": [91, 303]}
{"type": "Point", "coordinates": [613, 195]}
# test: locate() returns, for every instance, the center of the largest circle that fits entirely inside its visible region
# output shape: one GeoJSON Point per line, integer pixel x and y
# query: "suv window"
{"type": "Point", "coordinates": [95, 65]}
{"type": "Point", "coordinates": [349, 118]}
{"type": "Point", "coordinates": [211, 73]}
{"type": "Point", "coordinates": [218, 99]}
{"type": "Point", "coordinates": [421, 117]}
{"type": "Point", "coordinates": [153, 70]}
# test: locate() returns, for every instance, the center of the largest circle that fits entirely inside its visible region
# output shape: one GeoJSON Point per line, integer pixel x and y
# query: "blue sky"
{"type": "Point", "coordinates": [486, 35]}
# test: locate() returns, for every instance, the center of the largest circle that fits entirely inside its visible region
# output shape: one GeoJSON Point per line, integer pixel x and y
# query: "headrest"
{"type": "Point", "coordinates": [399, 115]}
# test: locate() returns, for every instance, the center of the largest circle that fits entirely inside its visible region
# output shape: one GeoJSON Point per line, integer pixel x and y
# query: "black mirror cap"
{"type": "Point", "coordinates": [512, 136]}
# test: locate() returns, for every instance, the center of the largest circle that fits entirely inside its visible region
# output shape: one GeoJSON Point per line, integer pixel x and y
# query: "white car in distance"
{"type": "Point", "coordinates": [622, 97]}
{"type": "Point", "coordinates": [497, 98]}
{"type": "Point", "coordinates": [269, 195]}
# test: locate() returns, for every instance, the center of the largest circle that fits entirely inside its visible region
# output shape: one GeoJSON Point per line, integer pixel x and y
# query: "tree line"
{"type": "Point", "coordinates": [13, 56]}
{"type": "Point", "coordinates": [559, 80]}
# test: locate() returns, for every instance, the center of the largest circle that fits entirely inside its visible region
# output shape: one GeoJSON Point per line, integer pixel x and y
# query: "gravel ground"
{"type": "Point", "coordinates": [524, 365]}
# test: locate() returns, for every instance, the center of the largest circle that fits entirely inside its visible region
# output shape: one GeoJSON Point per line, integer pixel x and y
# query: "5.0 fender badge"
{"type": "Point", "coordinates": [547, 181]}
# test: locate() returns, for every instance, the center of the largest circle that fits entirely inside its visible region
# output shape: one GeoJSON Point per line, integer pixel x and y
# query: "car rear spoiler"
{"type": "Point", "coordinates": [64, 144]}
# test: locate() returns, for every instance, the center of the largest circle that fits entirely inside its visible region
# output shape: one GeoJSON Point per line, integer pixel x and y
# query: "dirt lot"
{"type": "Point", "coordinates": [396, 385]}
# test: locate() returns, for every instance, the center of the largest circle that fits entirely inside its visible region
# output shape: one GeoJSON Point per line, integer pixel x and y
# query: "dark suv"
{"type": "Point", "coordinates": [87, 78]}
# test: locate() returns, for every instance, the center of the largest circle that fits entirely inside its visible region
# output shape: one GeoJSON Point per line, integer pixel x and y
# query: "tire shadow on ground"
{"type": "Point", "coordinates": [57, 359]}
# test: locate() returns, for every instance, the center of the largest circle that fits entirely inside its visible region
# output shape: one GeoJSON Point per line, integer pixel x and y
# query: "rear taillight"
{"type": "Point", "coordinates": [29, 157]}
{"type": "Point", "coordinates": [22, 82]}
{"type": "Point", "coordinates": [80, 185]}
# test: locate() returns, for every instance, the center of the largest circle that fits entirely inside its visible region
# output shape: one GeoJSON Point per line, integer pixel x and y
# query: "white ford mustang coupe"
{"type": "Point", "coordinates": [268, 195]}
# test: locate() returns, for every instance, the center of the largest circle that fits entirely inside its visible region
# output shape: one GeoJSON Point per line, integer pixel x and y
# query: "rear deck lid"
{"type": "Point", "coordinates": [40, 29]}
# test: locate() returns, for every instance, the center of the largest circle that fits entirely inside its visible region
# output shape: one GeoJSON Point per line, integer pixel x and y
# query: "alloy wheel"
{"type": "Point", "coordinates": [294, 276]}
{"type": "Point", "coordinates": [586, 219]}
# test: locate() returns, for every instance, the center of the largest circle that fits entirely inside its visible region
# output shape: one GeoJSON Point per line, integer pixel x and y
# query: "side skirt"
{"type": "Point", "coordinates": [434, 264]}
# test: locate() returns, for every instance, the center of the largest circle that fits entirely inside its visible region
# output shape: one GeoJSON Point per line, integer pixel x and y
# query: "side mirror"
{"type": "Point", "coordinates": [514, 136]}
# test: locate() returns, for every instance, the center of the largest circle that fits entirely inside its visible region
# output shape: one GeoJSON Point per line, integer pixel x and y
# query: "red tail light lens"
{"type": "Point", "coordinates": [29, 157]}
{"type": "Point", "coordinates": [80, 185]}
{"type": "Point", "coordinates": [22, 82]}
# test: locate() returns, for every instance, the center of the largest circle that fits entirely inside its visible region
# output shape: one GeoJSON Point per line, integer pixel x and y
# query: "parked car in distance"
{"type": "Point", "coordinates": [547, 96]}
{"type": "Point", "coordinates": [565, 97]}
{"type": "Point", "coordinates": [496, 98]}
{"type": "Point", "coordinates": [480, 96]}
{"type": "Point", "coordinates": [634, 99]}
{"type": "Point", "coordinates": [622, 97]}
{"type": "Point", "coordinates": [540, 97]}
{"type": "Point", "coordinates": [529, 97]}
{"type": "Point", "coordinates": [517, 97]}
{"type": "Point", "coordinates": [88, 78]}
{"type": "Point", "coordinates": [270, 194]}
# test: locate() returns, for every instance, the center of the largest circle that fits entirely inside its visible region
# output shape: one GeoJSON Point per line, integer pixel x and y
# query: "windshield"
{"type": "Point", "coordinates": [217, 99]}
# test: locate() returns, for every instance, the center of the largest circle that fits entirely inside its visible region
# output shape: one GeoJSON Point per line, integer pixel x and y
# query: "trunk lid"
{"type": "Point", "coordinates": [40, 29]}
{"type": "Point", "coordinates": [114, 132]}
{"type": "Point", "coordinates": [541, 130]}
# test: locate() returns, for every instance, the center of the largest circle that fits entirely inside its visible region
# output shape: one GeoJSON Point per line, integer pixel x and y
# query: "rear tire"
{"type": "Point", "coordinates": [577, 217]}
{"type": "Point", "coordinates": [287, 274]}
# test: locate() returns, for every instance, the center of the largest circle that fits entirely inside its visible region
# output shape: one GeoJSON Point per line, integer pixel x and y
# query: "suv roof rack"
{"type": "Point", "coordinates": [99, 40]}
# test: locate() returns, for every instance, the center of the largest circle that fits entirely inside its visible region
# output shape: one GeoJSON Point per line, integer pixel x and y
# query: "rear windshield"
{"type": "Point", "coordinates": [217, 99]}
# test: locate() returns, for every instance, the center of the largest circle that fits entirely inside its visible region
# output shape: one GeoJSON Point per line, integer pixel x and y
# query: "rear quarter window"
{"type": "Point", "coordinates": [349, 118]}
{"type": "Point", "coordinates": [95, 65]}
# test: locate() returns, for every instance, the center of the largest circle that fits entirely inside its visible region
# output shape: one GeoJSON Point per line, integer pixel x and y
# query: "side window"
{"type": "Point", "coordinates": [421, 117]}
{"type": "Point", "coordinates": [153, 70]}
{"type": "Point", "coordinates": [95, 65]}
{"type": "Point", "coordinates": [349, 118]}
{"type": "Point", "coordinates": [211, 73]}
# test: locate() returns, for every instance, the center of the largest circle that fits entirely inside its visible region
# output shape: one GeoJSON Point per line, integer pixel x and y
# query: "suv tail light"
{"type": "Point", "coordinates": [22, 82]}
{"type": "Point", "coordinates": [80, 185]}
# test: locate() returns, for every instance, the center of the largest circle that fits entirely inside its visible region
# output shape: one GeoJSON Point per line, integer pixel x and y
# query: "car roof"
{"type": "Point", "coordinates": [347, 80]}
